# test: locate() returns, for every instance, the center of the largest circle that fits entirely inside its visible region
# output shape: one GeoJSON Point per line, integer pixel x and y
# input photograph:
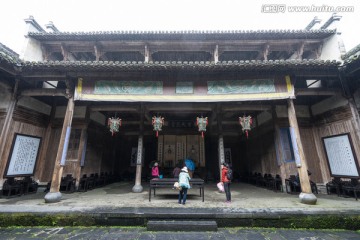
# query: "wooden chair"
{"type": "Point", "coordinates": [29, 185]}
{"type": "Point", "coordinates": [67, 184]}
{"type": "Point", "coordinates": [334, 185]}
{"type": "Point", "coordinates": [83, 183]}
{"type": "Point", "coordinates": [12, 187]}
{"type": "Point", "coordinates": [351, 187]}
{"type": "Point", "coordinates": [292, 184]}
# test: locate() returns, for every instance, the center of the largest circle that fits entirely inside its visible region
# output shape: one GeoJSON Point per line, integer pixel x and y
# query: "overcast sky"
{"type": "Point", "coordinates": [117, 15]}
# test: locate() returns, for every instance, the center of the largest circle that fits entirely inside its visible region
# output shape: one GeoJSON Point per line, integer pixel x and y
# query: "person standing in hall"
{"type": "Point", "coordinates": [177, 170]}
{"type": "Point", "coordinates": [184, 184]}
{"type": "Point", "coordinates": [226, 181]}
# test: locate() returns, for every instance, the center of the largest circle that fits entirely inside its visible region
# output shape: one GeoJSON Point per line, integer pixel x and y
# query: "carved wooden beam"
{"type": "Point", "coordinates": [43, 92]}
{"type": "Point", "coordinates": [317, 92]}
{"type": "Point", "coordinates": [114, 108]}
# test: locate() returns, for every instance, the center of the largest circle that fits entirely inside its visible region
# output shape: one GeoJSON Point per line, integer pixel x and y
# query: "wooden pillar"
{"type": "Point", "coordinates": [44, 148]}
{"type": "Point", "coordinates": [6, 127]}
{"type": "Point", "coordinates": [306, 196]}
{"type": "Point", "coordinates": [137, 187]}
{"type": "Point", "coordinates": [80, 156]}
{"type": "Point", "coordinates": [54, 195]}
{"type": "Point", "coordinates": [278, 148]}
{"type": "Point", "coordinates": [355, 117]}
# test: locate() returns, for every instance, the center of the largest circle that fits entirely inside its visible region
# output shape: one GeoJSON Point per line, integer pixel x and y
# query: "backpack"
{"type": "Point", "coordinates": [229, 174]}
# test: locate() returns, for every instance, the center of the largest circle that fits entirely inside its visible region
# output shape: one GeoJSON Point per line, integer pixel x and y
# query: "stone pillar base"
{"type": "Point", "coordinates": [53, 197]}
{"type": "Point", "coordinates": [308, 198]}
{"type": "Point", "coordinates": [137, 189]}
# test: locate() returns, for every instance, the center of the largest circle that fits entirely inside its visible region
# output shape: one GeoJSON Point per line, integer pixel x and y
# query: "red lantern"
{"type": "Point", "coordinates": [202, 123]}
{"type": "Point", "coordinates": [246, 123]}
{"type": "Point", "coordinates": [114, 124]}
{"type": "Point", "coordinates": [157, 123]}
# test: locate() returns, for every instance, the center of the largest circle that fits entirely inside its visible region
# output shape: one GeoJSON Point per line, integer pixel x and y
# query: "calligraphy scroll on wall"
{"type": "Point", "coordinates": [23, 156]}
{"type": "Point", "coordinates": [340, 156]}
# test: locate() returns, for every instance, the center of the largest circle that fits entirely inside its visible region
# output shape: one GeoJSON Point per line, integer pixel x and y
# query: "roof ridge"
{"type": "Point", "coordinates": [228, 31]}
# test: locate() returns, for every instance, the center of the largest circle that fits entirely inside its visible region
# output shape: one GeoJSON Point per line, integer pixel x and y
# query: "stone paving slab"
{"type": "Point", "coordinates": [141, 233]}
{"type": "Point", "coordinates": [118, 201]}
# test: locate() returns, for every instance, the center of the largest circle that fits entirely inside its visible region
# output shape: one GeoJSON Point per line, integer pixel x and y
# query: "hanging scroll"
{"type": "Point", "coordinates": [23, 155]}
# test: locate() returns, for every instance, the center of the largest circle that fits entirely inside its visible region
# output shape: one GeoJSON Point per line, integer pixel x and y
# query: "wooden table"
{"type": "Point", "coordinates": [169, 183]}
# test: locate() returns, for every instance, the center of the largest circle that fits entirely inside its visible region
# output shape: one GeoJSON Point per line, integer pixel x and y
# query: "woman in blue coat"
{"type": "Point", "coordinates": [184, 184]}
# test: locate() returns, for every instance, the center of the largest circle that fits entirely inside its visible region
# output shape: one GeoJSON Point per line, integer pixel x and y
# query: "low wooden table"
{"type": "Point", "coordinates": [169, 183]}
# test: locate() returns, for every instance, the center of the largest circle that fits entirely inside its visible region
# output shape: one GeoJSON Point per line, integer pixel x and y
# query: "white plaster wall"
{"type": "Point", "coordinates": [332, 48]}
{"type": "Point", "coordinates": [328, 104]}
{"type": "Point", "coordinates": [34, 104]}
{"type": "Point", "coordinates": [31, 50]}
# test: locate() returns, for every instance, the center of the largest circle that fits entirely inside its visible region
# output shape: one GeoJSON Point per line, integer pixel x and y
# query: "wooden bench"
{"type": "Point", "coordinates": [169, 183]}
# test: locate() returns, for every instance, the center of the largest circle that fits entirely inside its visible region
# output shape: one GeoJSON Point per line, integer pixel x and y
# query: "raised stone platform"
{"type": "Point", "coordinates": [178, 225]}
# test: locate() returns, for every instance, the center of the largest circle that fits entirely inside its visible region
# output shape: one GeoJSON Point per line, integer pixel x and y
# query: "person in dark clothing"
{"type": "Point", "coordinates": [177, 171]}
{"type": "Point", "coordinates": [226, 181]}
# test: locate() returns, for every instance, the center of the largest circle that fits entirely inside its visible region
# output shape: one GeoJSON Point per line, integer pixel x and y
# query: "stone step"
{"type": "Point", "coordinates": [180, 225]}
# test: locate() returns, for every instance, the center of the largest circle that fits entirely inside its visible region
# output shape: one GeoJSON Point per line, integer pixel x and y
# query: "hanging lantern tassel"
{"type": "Point", "coordinates": [157, 123]}
{"type": "Point", "coordinates": [202, 123]}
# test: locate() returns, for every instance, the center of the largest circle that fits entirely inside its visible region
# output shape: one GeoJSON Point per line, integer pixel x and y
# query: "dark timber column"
{"type": "Point", "coordinates": [80, 155]}
{"type": "Point", "coordinates": [306, 196]}
{"type": "Point", "coordinates": [137, 187]}
{"type": "Point", "coordinates": [54, 195]}
{"type": "Point", "coordinates": [40, 168]}
{"type": "Point", "coordinates": [278, 148]}
{"type": "Point", "coordinates": [5, 130]}
{"type": "Point", "coordinates": [82, 148]}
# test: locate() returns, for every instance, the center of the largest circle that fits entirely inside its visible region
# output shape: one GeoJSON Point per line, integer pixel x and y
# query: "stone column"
{"type": "Point", "coordinates": [306, 196]}
{"type": "Point", "coordinates": [221, 152]}
{"type": "Point", "coordinates": [54, 194]}
{"type": "Point", "coordinates": [137, 187]}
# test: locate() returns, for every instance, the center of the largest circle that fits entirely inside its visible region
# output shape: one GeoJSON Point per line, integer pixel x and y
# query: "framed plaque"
{"type": "Point", "coordinates": [23, 155]}
{"type": "Point", "coordinates": [340, 156]}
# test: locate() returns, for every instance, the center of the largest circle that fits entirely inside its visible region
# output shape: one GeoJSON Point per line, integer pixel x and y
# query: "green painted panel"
{"type": "Point", "coordinates": [241, 86]}
{"type": "Point", "coordinates": [128, 87]}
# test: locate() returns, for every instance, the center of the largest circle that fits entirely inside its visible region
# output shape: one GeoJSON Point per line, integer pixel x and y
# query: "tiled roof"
{"type": "Point", "coordinates": [8, 55]}
{"type": "Point", "coordinates": [197, 66]}
{"type": "Point", "coordinates": [351, 52]}
{"type": "Point", "coordinates": [9, 60]}
{"type": "Point", "coordinates": [182, 35]}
